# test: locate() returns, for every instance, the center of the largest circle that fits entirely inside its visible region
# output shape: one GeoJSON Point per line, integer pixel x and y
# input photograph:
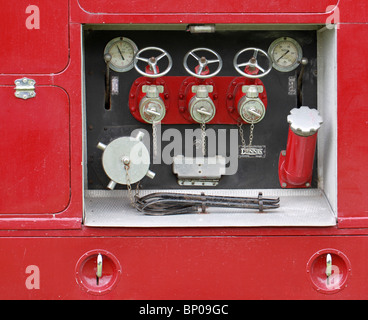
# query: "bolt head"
{"type": "Point", "coordinates": [125, 160]}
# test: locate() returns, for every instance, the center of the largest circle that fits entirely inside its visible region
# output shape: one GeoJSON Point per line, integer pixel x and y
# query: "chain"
{"type": "Point", "coordinates": [203, 136]}
{"type": "Point", "coordinates": [241, 134]}
{"type": "Point", "coordinates": [154, 137]}
{"type": "Point", "coordinates": [251, 134]}
{"type": "Point", "coordinates": [129, 187]}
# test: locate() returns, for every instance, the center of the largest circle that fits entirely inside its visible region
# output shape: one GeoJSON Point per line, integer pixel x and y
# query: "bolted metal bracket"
{"type": "Point", "coordinates": [200, 171]}
{"type": "Point", "coordinates": [25, 88]}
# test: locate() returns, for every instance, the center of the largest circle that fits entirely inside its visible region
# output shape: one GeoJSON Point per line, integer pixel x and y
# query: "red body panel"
{"type": "Point", "coordinates": [279, 6]}
{"type": "Point", "coordinates": [36, 150]}
{"type": "Point", "coordinates": [184, 268]}
{"type": "Point", "coordinates": [352, 108]}
{"type": "Point", "coordinates": [34, 25]}
{"type": "Point", "coordinates": [41, 184]}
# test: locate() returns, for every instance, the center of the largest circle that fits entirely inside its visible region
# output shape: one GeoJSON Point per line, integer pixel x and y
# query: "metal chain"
{"type": "Point", "coordinates": [132, 197]}
{"type": "Point", "coordinates": [154, 137]}
{"type": "Point", "coordinates": [241, 134]}
{"type": "Point", "coordinates": [203, 135]}
{"type": "Point", "coordinates": [251, 134]}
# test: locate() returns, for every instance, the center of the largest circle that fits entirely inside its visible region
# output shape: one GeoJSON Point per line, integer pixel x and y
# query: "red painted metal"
{"type": "Point", "coordinates": [160, 263]}
{"type": "Point", "coordinates": [36, 150]}
{"type": "Point", "coordinates": [340, 271]}
{"type": "Point", "coordinates": [296, 163]}
{"type": "Point", "coordinates": [42, 25]}
{"type": "Point", "coordinates": [64, 90]}
{"type": "Point", "coordinates": [136, 95]}
{"type": "Point", "coordinates": [184, 267]}
{"type": "Point", "coordinates": [186, 94]}
{"type": "Point", "coordinates": [279, 6]}
{"type": "Point", "coordinates": [177, 93]}
{"type": "Point", "coordinates": [86, 272]}
{"type": "Point", "coordinates": [234, 94]}
{"type": "Point", "coordinates": [352, 126]}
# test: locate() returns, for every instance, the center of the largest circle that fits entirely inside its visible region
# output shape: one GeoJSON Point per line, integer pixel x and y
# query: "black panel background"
{"type": "Point", "coordinates": [106, 125]}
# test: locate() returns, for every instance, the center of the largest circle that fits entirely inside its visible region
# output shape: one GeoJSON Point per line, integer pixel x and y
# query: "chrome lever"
{"type": "Point", "coordinates": [99, 268]}
{"type": "Point", "coordinates": [328, 267]}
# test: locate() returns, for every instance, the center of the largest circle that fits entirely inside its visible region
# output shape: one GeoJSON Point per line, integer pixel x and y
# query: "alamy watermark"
{"type": "Point", "coordinates": [333, 20]}
{"type": "Point", "coordinates": [33, 18]}
{"type": "Point", "coordinates": [33, 279]}
{"type": "Point", "coordinates": [172, 142]}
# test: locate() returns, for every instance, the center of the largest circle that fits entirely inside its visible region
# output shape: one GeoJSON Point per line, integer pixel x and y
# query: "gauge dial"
{"type": "Point", "coordinates": [252, 111]}
{"type": "Point", "coordinates": [122, 51]}
{"type": "Point", "coordinates": [285, 53]}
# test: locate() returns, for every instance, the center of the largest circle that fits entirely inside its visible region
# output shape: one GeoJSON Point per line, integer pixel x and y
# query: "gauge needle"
{"type": "Point", "coordinates": [120, 52]}
{"type": "Point", "coordinates": [283, 55]}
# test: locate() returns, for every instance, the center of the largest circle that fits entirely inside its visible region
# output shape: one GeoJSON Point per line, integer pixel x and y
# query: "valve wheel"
{"type": "Point", "coordinates": [202, 63]}
{"type": "Point", "coordinates": [152, 62]}
{"type": "Point", "coordinates": [252, 63]}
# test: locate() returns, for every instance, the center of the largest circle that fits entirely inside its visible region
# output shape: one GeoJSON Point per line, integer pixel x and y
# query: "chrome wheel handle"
{"type": "Point", "coordinates": [152, 62]}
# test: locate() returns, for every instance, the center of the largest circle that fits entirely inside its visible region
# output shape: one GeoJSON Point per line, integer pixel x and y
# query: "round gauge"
{"type": "Point", "coordinates": [252, 111]}
{"type": "Point", "coordinates": [285, 53]}
{"type": "Point", "coordinates": [122, 51]}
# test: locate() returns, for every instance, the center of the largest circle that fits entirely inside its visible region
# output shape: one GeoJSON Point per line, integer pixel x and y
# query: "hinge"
{"type": "Point", "coordinates": [25, 88]}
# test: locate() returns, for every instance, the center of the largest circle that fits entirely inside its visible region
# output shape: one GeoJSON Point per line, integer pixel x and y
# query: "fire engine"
{"type": "Point", "coordinates": [184, 150]}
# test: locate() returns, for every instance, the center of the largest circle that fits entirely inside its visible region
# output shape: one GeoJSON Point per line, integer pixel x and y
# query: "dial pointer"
{"type": "Point", "coordinates": [120, 52]}
{"type": "Point", "coordinates": [283, 55]}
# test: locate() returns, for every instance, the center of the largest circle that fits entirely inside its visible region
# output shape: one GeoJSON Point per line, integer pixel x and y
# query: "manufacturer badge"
{"type": "Point", "coordinates": [252, 152]}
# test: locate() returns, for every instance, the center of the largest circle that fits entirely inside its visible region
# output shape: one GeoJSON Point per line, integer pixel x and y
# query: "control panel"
{"type": "Point", "coordinates": [200, 109]}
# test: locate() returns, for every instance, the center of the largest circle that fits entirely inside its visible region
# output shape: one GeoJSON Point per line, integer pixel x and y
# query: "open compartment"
{"type": "Point", "coordinates": [117, 96]}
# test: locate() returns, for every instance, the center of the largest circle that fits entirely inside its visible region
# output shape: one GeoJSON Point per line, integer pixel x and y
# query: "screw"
{"type": "Point", "coordinates": [125, 160]}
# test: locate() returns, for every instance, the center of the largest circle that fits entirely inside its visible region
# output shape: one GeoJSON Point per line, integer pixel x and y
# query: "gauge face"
{"type": "Point", "coordinates": [252, 111]}
{"type": "Point", "coordinates": [122, 51]}
{"type": "Point", "coordinates": [285, 53]}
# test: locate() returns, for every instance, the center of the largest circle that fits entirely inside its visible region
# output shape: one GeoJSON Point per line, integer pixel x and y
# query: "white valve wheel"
{"type": "Point", "coordinates": [253, 62]}
{"type": "Point", "coordinates": [152, 62]}
{"type": "Point", "coordinates": [203, 63]}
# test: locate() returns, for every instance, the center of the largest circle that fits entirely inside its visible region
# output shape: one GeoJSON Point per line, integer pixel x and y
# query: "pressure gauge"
{"type": "Point", "coordinates": [121, 51]}
{"type": "Point", "coordinates": [252, 110]}
{"type": "Point", "coordinates": [286, 54]}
